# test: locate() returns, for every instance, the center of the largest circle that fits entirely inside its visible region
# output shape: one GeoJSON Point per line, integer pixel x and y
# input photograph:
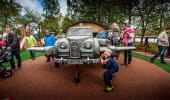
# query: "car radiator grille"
{"type": "Point", "coordinates": [74, 50]}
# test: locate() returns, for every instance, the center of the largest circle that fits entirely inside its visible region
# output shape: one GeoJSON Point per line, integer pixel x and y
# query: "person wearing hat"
{"type": "Point", "coordinates": [111, 66]}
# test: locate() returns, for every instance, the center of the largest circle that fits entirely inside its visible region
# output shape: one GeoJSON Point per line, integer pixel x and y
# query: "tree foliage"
{"type": "Point", "coordinates": [8, 10]}
{"type": "Point", "coordinates": [51, 7]}
{"type": "Point", "coordinates": [147, 15]}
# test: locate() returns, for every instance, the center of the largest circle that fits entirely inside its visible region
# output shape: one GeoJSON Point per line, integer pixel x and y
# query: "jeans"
{"type": "Point", "coordinates": [107, 77]}
{"type": "Point", "coordinates": [17, 55]}
{"type": "Point", "coordinates": [161, 53]}
{"type": "Point", "coordinates": [32, 53]}
{"type": "Point", "coordinates": [128, 55]}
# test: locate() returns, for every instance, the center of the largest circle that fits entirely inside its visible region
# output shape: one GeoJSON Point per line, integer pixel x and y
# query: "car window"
{"type": "Point", "coordinates": [79, 32]}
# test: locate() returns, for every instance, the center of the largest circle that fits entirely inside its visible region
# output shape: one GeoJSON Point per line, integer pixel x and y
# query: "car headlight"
{"type": "Point", "coordinates": [63, 45]}
{"type": "Point", "coordinates": [87, 45]}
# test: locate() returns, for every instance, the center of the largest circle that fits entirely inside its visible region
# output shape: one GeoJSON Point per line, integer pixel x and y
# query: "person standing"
{"type": "Point", "coordinates": [42, 40]}
{"type": "Point", "coordinates": [128, 35]}
{"type": "Point", "coordinates": [115, 39]}
{"type": "Point", "coordinates": [12, 42]}
{"type": "Point", "coordinates": [30, 42]}
{"type": "Point", "coordinates": [168, 51]}
{"type": "Point", "coordinates": [163, 43]}
{"type": "Point", "coordinates": [49, 40]}
{"type": "Point", "coordinates": [146, 44]}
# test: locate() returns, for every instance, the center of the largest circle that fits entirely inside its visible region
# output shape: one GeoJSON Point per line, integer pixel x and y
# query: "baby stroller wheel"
{"type": "Point", "coordinates": [7, 74]}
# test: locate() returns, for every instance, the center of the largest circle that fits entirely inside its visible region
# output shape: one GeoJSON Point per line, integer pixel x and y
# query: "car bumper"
{"type": "Point", "coordinates": [75, 61]}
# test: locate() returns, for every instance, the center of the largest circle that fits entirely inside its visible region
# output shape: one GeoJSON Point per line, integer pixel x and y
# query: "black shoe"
{"type": "Point", "coordinates": [47, 61]}
{"type": "Point", "coordinates": [13, 69]}
{"type": "Point", "coordinates": [151, 61]}
{"type": "Point", "coordinates": [33, 58]}
{"type": "Point", "coordinates": [163, 62]}
{"type": "Point", "coordinates": [19, 66]}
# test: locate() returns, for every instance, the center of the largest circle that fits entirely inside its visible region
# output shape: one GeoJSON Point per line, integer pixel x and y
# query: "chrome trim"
{"type": "Point", "coordinates": [85, 61]}
{"type": "Point", "coordinates": [74, 49]}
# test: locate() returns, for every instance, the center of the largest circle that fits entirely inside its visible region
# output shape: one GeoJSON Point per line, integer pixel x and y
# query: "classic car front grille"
{"type": "Point", "coordinates": [74, 50]}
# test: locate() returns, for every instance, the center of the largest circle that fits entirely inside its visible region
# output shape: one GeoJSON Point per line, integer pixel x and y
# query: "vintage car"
{"type": "Point", "coordinates": [78, 47]}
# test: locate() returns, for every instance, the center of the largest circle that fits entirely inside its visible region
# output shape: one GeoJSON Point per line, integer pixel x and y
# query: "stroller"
{"type": "Point", "coordinates": [5, 56]}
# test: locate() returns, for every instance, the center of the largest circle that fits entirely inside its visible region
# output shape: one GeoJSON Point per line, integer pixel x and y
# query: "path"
{"type": "Point", "coordinates": [38, 80]}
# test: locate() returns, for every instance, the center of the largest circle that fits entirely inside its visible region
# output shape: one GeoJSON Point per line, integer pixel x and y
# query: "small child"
{"type": "Point", "coordinates": [111, 66]}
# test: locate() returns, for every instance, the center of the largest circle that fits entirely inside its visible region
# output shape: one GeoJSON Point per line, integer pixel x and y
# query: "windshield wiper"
{"type": "Point", "coordinates": [76, 30]}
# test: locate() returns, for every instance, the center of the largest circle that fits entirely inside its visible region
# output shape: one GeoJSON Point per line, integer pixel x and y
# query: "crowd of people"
{"type": "Point", "coordinates": [117, 38]}
{"type": "Point", "coordinates": [12, 42]}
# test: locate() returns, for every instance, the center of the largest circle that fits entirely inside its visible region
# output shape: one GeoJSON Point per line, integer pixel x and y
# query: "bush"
{"type": "Point", "coordinates": [153, 47]}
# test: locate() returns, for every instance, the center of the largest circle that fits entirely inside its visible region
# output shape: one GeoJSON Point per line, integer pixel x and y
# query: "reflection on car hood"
{"type": "Point", "coordinates": [77, 38]}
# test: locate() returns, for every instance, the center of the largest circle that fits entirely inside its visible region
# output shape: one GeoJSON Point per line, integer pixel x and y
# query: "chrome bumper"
{"type": "Point", "coordinates": [75, 61]}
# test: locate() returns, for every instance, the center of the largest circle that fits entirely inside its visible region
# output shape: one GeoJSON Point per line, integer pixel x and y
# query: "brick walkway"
{"type": "Point", "coordinates": [38, 80]}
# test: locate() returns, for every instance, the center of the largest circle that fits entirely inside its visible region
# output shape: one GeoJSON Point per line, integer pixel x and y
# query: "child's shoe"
{"type": "Point", "coordinates": [108, 89]}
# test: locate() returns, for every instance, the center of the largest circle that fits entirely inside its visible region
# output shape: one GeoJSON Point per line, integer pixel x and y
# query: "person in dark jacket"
{"type": "Point", "coordinates": [12, 42]}
{"type": "Point", "coordinates": [146, 44]}
{"type": "Point", "coordinates": [111, 66]}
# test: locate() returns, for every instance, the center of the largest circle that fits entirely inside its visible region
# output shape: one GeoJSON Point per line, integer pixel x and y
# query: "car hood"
{"type": "Point", "coordinates": [78, 38]}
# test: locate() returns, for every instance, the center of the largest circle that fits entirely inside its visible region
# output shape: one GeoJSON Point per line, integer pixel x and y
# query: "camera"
{"type": "Point", "coordinates": [104, 58]}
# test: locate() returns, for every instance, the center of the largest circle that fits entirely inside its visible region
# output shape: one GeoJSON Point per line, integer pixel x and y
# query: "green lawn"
{"type": "Point", "coordinates": [156, 61]}
{"type": "Point", "coordinates": [25, 55]}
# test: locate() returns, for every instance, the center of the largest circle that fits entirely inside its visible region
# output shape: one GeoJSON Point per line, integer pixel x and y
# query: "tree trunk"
{"type": "Point", "coordinates": [143, 31]}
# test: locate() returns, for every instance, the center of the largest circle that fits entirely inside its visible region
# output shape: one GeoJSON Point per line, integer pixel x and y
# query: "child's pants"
{"type": "Point", "coordinates": [107, 76]}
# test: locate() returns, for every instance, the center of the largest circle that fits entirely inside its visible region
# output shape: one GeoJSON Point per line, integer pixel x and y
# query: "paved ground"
{"type": "Point", "coordinates": [38, 80]}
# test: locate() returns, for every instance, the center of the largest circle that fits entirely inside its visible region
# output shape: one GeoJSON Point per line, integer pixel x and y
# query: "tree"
{"type": "Point", "coordinates": [51, 7]}
{"type": "Point", "coordinates": [30, 19]}
{"type": "Point", "coordinates": [8, 10]}
{"type": "Point", "coordinates": [67, 21]}
{"type": "Point", "coordinates": [146, 11]}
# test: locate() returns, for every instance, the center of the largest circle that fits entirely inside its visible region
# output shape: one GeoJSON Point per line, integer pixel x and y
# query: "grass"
{"type": "Point", "coordinates": [157, 62]}
{"type": "Point", "coordinates": [25, 55]}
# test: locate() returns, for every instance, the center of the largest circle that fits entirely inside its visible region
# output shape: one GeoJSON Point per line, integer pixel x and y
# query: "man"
{"type": "Point", "coordinates": [12, 42]}
{"type": "Point", "coordinates": [163, 43]}
{"type": "Point", "coordinates": [102, 34]}
{"type": "Point", "coordinates": [30, 42]}
{"type": "Point", "coordinates": [128, 35]}
{"type": "Point", "coordinates": [146, 44]}
{"type": "Point", "coordinates": [49, 40]}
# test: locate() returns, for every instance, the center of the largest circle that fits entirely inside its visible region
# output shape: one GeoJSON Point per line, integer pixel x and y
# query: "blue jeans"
{"type": "Point", "coordinates": [107, 77]}
{"type": "Point", "coordinates": [32, 53]}
{"type": "Point", "coordinates": [128, 55]}
{"type": "Point", "coordinates": [161, 53]}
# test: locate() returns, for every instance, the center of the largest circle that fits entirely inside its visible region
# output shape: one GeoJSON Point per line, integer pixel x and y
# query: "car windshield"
{"type": "Point", "coordinates": [79, 32]}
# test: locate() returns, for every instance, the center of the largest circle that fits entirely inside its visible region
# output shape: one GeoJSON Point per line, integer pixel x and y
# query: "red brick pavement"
{"type": "Point", "coordinates": [38, 80]}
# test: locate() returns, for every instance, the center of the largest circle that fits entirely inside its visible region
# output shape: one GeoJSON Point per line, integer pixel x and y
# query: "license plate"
{"type": "Point", "coordinates": [75, 61]}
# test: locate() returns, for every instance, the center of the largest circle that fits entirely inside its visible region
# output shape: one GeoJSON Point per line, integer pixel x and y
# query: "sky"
{"type": "Point", "coordinates": [35, 5]}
